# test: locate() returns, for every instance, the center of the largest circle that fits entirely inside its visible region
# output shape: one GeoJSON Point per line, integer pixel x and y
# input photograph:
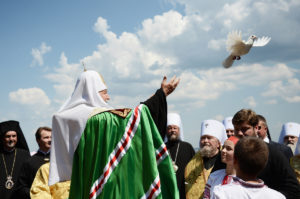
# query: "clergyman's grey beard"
{"type": "Point", "coordinates": [208, 151]}
{"type": "Point", "coordinates": [172, 137]}
{"type": "Point", "coordinates": [293, 147]}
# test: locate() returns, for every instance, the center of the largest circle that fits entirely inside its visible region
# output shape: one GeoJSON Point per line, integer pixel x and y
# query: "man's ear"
{"type": "Point", "coordinates": [256, 128]}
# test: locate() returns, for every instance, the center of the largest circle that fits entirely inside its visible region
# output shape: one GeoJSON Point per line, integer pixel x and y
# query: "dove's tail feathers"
{"type": "Point", "coordinates": [228, 61]}
{"type": "Point", "coordinates": [262, 41]}
{"type": "Point", "coordinates": [233, 38]}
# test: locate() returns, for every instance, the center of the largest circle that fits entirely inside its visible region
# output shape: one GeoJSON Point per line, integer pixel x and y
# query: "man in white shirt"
{"type": "Point", "coordinates": [250, 158]}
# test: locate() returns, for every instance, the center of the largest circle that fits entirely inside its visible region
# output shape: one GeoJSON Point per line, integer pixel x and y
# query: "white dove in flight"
{"type": "Point", "coordinates": [237, 47]}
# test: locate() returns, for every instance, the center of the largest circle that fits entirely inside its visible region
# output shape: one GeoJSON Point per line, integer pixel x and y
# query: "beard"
{"type": "Point", "coordinates": [172, 137]}
{"type": "Point", "coordinates": [208, 151]}
{"type": "Point", "coordinates": [292, 146]}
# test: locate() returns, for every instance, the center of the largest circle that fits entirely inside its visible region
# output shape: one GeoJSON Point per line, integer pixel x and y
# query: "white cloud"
{"type": "Point", "coordinates": [102, 27]}
{"type": "Point", "coordinates": [163, 27]}
{"type": "Point", "coordinates": [252, 74]}
{"type": "Point", "coordinates": [211, 84]}
{"type": "Point", "coordinates": [30, 96]}
{"type": "Point", "coordinates": [293, 99]}
{"type": "Point", "coordinates": [235, 12]}
{"type": "Point", "coordinates": [172, 43]}
{"type": "Point", "coordinates": [288, 90]}
{"type": "Point", "coordinates": [250, 101]}
{"type": "Point", "coordinates": [129, 55]}
{"type": "Point", "coordinates": [262, 17]}
{"type": "Point", "coordinates": [216, 44]}
{"type": "Point", "coordinates": [220, 118]}
{"type": "Point", "coordinates": [264, 6]}
{"type": "Point", "coordinates": [202, 87]}
{"type": "Point", "coordinates": [271, 101]}
{"type": "Point", "coordinates": [38, 53]}
{"type": "Point", "coordinates": [64, 77]}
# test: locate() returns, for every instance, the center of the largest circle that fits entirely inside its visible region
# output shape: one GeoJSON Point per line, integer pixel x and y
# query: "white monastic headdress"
{"type": "Point", "coordinates": [214, 128]}
{"type": "Point", "coordinates": [227, 122]}
{"type": "Point", "coordinates": [174, 119]}
{"type": "Point", "coordinates": [290, 128]}
{"type": "Point", "coordinates": [69, 122]}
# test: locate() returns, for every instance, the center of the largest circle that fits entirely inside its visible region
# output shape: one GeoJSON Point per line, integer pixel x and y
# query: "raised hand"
{"type": "Point", "coordinates": [169, 87]}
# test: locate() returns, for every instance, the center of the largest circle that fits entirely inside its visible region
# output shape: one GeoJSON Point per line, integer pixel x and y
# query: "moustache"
{"type": "Point", "coordinates": [206, 145]}
{"type": "Point", "coordinates": [171, 133]}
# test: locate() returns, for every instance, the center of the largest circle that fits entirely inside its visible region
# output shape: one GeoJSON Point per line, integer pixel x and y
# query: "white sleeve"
{"type": "Point", "coordinates": [217, 193]}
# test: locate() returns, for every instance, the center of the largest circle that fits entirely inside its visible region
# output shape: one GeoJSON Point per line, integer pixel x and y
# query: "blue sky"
{"type": "Point", "coordinates": [134, 43]}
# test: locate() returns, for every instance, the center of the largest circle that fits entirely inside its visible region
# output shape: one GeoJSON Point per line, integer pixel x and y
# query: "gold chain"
{"type": "Point", "coordinates": [12, 169]}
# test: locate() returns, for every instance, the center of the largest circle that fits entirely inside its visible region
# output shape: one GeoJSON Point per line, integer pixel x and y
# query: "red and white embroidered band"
{"type": "Point", "coordinates": [161, 153]}
{"type": "Point", "coordinates": [154, 189]}
{"type": "Point", "coordinates": [118, 153]}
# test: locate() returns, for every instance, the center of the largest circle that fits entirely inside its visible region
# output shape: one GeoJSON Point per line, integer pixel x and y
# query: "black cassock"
{"type": "Point", "coordinates": [158, 106]}
{"type": "Point", "coordinates": [28, 172]}
{"type": "Point", "coordinates": [22, 154]}
{"type": "Point", "coordinates": [184, 155]}
{"type": "Point", "coordinates": [21, 157]}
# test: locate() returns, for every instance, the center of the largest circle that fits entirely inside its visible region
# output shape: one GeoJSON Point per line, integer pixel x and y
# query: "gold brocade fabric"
{"type": "Point", "coordinates": [40, 188]}
{"type": "Point", "coordinates": [295, 164]}
{"type": "Point", "coordinates": [120, 112]}
{"type": "Point", "coordinates": [195, 177]}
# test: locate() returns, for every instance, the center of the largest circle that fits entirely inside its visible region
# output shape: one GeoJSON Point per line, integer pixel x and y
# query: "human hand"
{"type": "Point", "coordinates": [168, 88]}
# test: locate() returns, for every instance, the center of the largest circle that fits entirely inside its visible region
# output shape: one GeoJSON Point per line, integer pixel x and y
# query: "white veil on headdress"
{"type": "Point", "coordinates": [289, 128]}
{"type": "Point", "coordinates": [227, 122]}
{"type": "Point", "coordinates": [213, 128]}
{"type": "Point", "coordinates": [69, 122]}
{"type": "Point", "coordinates": [296, 130]}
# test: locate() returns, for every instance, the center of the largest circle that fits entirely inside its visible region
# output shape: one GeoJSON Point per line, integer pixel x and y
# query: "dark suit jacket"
{"type": "Point", "coordinates": [279, 175]}
{"type": "Point", "coordinates": [287, 152]}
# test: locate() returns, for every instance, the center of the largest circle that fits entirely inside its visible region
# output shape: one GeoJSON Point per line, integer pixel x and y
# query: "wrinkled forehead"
{"type": "Point", "coordinates": [210, 137]}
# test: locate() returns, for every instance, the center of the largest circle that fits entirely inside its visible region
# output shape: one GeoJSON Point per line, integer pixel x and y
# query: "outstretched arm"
{"type": "Point", "coordinates": [157, 104]}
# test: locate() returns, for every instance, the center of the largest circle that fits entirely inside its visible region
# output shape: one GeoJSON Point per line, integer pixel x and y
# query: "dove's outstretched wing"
{"type": "Point", "coordinates": [234, 38]}
{"type": "Point", "coordinates": [262, 41]}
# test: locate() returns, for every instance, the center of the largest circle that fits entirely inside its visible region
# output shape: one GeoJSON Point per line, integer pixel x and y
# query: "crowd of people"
{"type": "Point", "coordinates": [95, 151]}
